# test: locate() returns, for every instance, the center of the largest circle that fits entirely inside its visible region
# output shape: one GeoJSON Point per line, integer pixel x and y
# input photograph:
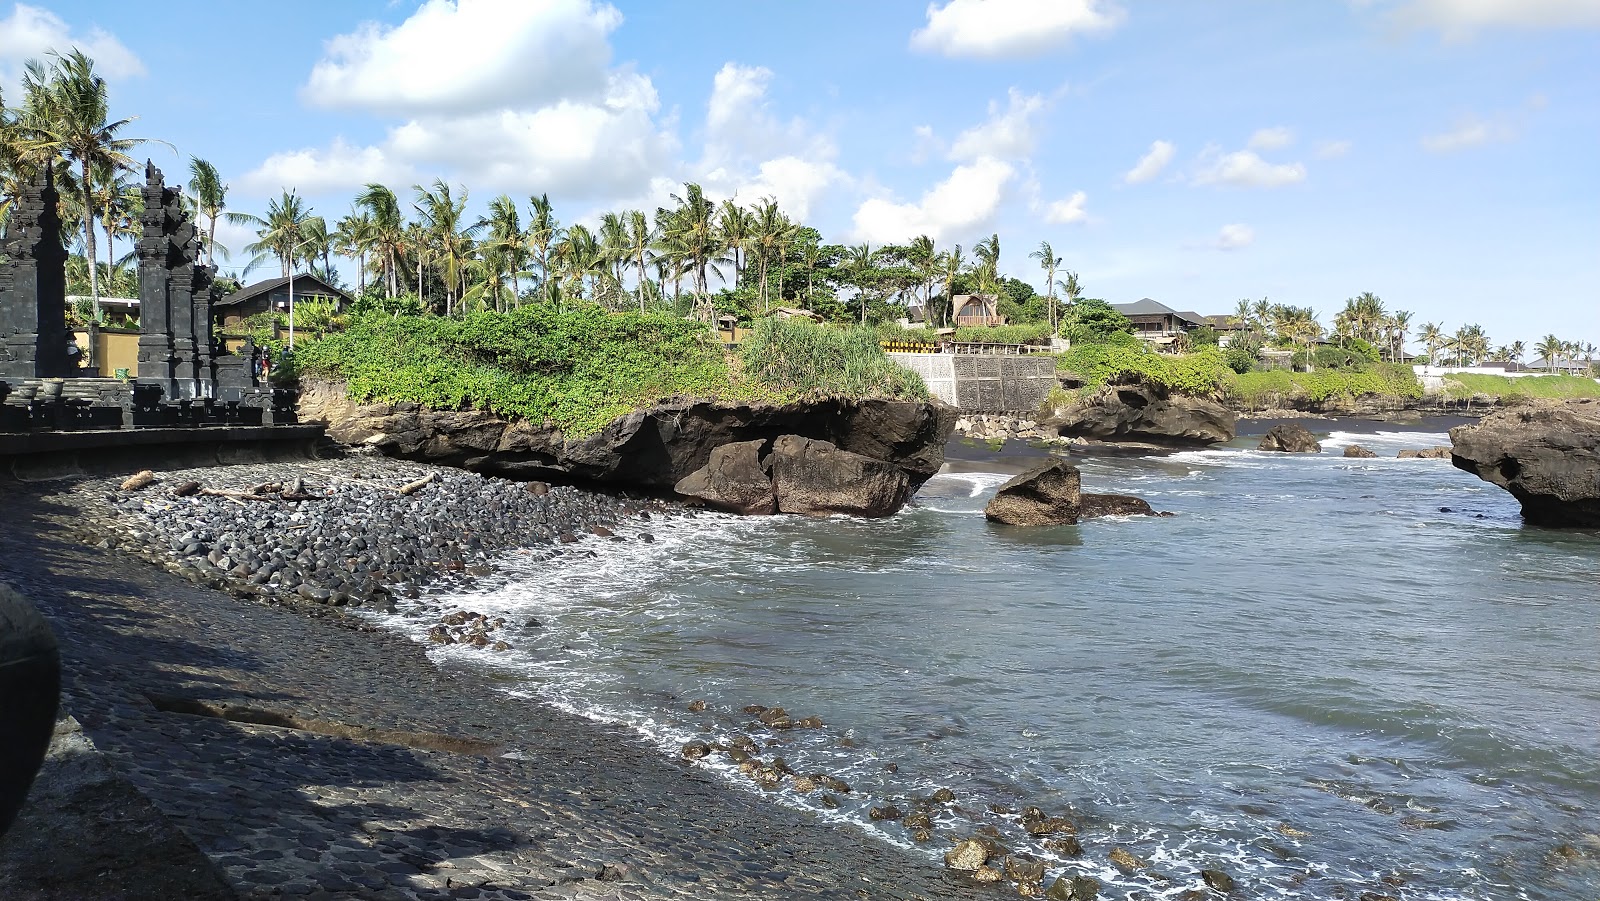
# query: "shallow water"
{"type": "Point", "coordinates": [1322, 676]}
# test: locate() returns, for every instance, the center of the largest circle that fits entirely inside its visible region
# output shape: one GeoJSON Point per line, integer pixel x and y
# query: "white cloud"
{"type": "Point", "coordinates": [32, 33]}
{"type": "Point", "coordinates": [995, 29]}
{"type": "Point", "coordinates": [1328, 150]}
{"type": "Point", "coordinates": [578, 148]}
{"type": "Point", "coordinates": [1007, 134]}
{"type": "Point", "coordinates": [1245, 169]}
{"type": "Point", "coordinates": [959, 205]}
{"type": "Point", "coordinates": [1151, 164]}
{"type": "Point", "coordinates": [928, 145]}
{"type": "Point", "coordinates": [1272, 138]}
{"type": "Point", "coordinates": [1070, 210]}
{"type": "Point", "coordinates": [1460, 19]}
{"type": "Point", "coordinates": [794, 182]}
{"type": "Point", "coordinates": [1469, 132]}
{"type": "Point", "coordinates": [737, 93]}
{"type": "Point", "coordinates": [1235, 237]}
{"type": "Point", "coordinates": [463, 56]}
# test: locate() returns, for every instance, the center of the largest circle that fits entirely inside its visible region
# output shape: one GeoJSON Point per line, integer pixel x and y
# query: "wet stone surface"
{"type": "Point", "coordinates": [577, 810]}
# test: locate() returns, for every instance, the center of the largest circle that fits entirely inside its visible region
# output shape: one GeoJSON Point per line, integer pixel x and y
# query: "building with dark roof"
{"type": "Point", "coordinates": [273, 294]}
{"type": "Point", "coordinates": [1155, 320]}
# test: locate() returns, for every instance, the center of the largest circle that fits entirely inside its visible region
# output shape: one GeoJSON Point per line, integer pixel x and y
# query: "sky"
{"type": "Point", "coordinates": [1443, 154]}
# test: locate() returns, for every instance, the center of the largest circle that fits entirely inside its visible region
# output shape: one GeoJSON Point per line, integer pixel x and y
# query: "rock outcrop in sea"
{"type": "Point", "coordinates": [797, 475]}
{"type": "Point", "coordinates": [656, 448]}
{"type": "Point", "coordinates": [1052, 495]}
{"type": "Point", "coordinates": [1144, 413]}
{"type": "Point", "coordinates": [1547, 456]}
{"type": "Point", "coordinates": [1290, 438]}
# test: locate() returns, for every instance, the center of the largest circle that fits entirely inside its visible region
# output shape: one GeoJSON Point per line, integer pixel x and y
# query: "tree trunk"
{"type": "Point", "coordinates": [211, 239]}
{"type": "Point", "coordinates": [88, 244]}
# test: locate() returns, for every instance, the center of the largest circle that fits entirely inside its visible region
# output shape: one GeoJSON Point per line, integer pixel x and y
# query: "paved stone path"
{"type": "Point", "coordinates": [581, 811]}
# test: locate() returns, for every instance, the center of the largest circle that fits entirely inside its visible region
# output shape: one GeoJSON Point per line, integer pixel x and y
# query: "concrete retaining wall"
{"type": "Point", "coordinates": [985, 383]}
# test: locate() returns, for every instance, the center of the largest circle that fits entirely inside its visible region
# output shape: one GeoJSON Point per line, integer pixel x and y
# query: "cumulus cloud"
{"type": "Point", "coordinates": [993, 29]}
{"type": "Point", "coordinates": [961, 204]}
{"type": "Point", "coordinates": [32, 33]}
{"type": "Point", "coordinates": [1008, 133]}
{"type": "Point", "coordinates": [1235, 237]}
{"type": "Point", "coordinates": [1271, 138]}
{"type": "Point", "coordinates": [1468, 132]}
{"type": "Point", "coordinates": [510, 52]}
{"type": "Point", "coordinates": [1461, 19]}
{"type": "Point", "coordinates": [312, 170]}
{"type": "Point", "coordinates": [1245, 169]}
{"type": "Point", "coordinates": [1068, 211]}
{"type": "Point", "coordinates": [1328, 150]}
{"type": "Point", "coordinates": [1151, 164]}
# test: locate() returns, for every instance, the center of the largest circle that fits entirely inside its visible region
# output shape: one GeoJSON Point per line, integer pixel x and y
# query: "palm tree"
{"type": "Point", "coordinates": [354, 238]}
{"type": "Point", "coordinates": [951, 264]}
{"type": "Point", "coordinates": [318, 245]}
{"type": "Point", "coordinates": [614, 243]}
{"type": "Point", "coordinates": [506, 245]}
{"type": "Point", "coordinates": [861, 268]}
{"type": "Point", "coordinates": [736, 225]}
{"type": "Point", "coordinates": [693, 227]}
{"type": "Point", "coordinates": [388, 231]}
{"type": "Point", "coordinates": [640, 236]}
{"type": "Point", "coordinates": [280, 233]}
{"type": "Point", "coordinates": [1432, 337]}
{"type": "Point", "coordinates": [68, 115]}
{"type": "Point", "coordinates": [1070, 288]}
{"type": "Point", "coordinates": [210, 198]}
{"type": "Point", "coordinates": [580, 255]}
{"type": "Point", "coordinates": [987, 265]}
{"type": "Point", "coordinates": [1399, 324]}
{"type": "Point", "coordinates": [452, 241]}
{"type": "Point", "coordinates": [1048, 261]}
{"type": "Point", "coordinates": [116, 199]}
{"type": "Point", "coordinates": [543, 232]}
{"type": "Point", "coordinates": [769, 237]}
{"type": "Point", "coordinates": [1550, 347]}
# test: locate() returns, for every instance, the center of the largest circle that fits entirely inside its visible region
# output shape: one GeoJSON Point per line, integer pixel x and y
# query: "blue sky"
{"type": "Point", "coordinates": [1444, 154]}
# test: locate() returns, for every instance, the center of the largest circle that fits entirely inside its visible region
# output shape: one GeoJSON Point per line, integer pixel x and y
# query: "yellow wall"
{"type": "Point", "coordinates": [117, 350]}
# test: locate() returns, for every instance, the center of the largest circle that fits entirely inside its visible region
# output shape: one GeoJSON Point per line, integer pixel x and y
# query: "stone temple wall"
{"type": "Point", "coordinates": [985, 383]}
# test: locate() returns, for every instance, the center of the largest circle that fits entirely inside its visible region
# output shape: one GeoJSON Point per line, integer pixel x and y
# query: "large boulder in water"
{"type": "Point", "coordinates": [1144, 413]}
{"type": "Point", "coordinates": [1358, 452]}
{"type": "Point", "coordinates": [1426, 453]}
{"type": "Point", "coordinates": [816, 478]}
{"type": "Point", "coordinates": [734, 479]}
{"type": "Point", "coordinates": [1290, 437]}
{"type": "Point", "coordinates": [30, 684]}
{"type": "Point", "coordinates": [1547, 456]}
{"type": "Point", "coordinates": [1052, 495]}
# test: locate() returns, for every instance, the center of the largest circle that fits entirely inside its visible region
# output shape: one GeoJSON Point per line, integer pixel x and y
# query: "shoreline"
{"type": "Point", "coordinates": [362, 798]}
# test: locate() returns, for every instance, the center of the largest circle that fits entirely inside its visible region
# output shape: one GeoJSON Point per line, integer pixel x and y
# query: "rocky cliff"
{"type": "Point", "coordinates": [651, 449]}
{"type": "Point", "coordinates": [1144, 413]}
{"type": "Point", "coordinates": [1546, 455]}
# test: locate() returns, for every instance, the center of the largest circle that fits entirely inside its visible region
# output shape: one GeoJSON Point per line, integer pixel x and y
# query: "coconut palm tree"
{"type": "Point", "coordinates": [986, 266]}
{"type": "Point", "coordinates": [861, 270]}
{"type": "Point", "coordinates": [505, 245]}
{"type": "Point", "coordinates": [1048, 261]}
{"type": "Point", "coordinates": [1399, 323]}
{"type": "Point", "coordinates": [951, 264]}
{"type": "Point", "coordinates": [640, 238]}
{"type": "Point", "coordinates": [543, 233]}
{"type": "Point", "coordinates": [354, 238]}
{"type": "Point", "coordinates": [1432, 337]}
{"type": "Point", "coordinates": [736, 224]}
{"type": "Point", "coordinates": [580, 255]}
{"type": "Point", "coordinates": [1550, 347]}
{"type": "Point", "coordinates": [389, 238]}
{"type": "Point", "coordinates": [68, 116]}
{"type": "Point", "coordinates": [442, 217]}
{"type": "Point", "coordinates": [281, 233]}
{"type": "Point", "coordinates": [692, 225]}
{"type": "Point", "coordinates": [210, 198]}
{"type": "Point", "coordinates": [318, 246]}
{"type": "Point", "coordinates": [923, 256]}
{"type": "Point", "coordinates": [769, 237]}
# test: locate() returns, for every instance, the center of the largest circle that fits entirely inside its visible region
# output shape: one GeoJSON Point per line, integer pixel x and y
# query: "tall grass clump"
{"type": "Point", "coordinates": [1281, 388]}
{"type": "Point", "coordinates": [800, 359]}
{"type": "Point", "coordinates": [1549, 387]}
{"type": "Point", "coordinates": [1202, 374]}
{"type": "Point", "coordinates": [1032, 333]}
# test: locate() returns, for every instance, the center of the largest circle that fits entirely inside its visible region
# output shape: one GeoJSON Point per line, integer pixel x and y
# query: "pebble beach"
{"type": "Point", "coordinates": [222, 677]}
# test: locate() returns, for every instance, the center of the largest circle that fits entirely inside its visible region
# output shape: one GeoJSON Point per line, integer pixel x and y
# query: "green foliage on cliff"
{"type": "Point", "coordinates": [1034, 333]}
{"type": "Point", "coordinates": [795, 358]}
{"type": "Point", "coordinates": [1554, 387]}
{"type": "Point", "coordinates": [1202, 374]}
{"type": "Point", "coordinates": [1281, 388]}
{"type": "Point", "coordinates": [580, 368]}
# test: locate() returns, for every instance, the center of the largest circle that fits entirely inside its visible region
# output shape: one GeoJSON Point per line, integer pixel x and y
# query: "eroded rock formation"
{"type": "Point", "coordinates": [1547, 456]}
{"type": "Point", "coordinates": [1291, 438]}
{"type": "Point", "coordinates": [1144, 413]}
{"type": "Point", "coordinates": [1052, 494]}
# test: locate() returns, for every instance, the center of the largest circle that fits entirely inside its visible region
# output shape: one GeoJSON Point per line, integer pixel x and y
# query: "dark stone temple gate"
{"type": "Point", "coordinates": [186, 379]}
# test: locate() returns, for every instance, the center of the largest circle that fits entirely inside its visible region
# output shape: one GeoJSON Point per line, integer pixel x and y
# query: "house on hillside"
{"type": "Point", "coordinates": [273, 294]}
{"type": "Point", "coordinates": [1156, 323]}
{"type": "Point", "coordinates": [976, 310]}
{"type": "Point", "coordinates": [1561, 366]}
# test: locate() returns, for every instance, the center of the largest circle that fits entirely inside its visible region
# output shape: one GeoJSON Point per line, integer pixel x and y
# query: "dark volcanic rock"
{"type": "Point", "coordinates": [654, 448]}
{"type": "Point", "coordinates": [816, 478]}
{"type": "Point", "coordinates": [734, 479]}
{"type": "Point", "coordinates": [1144, 413]}
{"type": "Point", "coordinates": [1290, 437]}
{"type": "Point", "coordinates": [1547, 456]}
{"type": "Point", "coordinates": [30, 678]}
{"type": "Point", "coordinates": [1051, 495]}
{"type": "Point", "coordinates": [1427, 453]}
{"type": "Point", "coordinates": [1357, 451]}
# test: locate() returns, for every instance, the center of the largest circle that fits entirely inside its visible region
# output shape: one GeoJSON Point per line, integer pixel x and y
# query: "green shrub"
{"type": "Point", "coordinates": [1034, 333]}
{"type": "Point", "coordinates": [1281, 388]}
{"type": "Point", "coordinates": [797, 358]}
{"type": "Point", "coordinates": [1239, 359]}
{"type": "Point", "coordinates": [1202, 374]}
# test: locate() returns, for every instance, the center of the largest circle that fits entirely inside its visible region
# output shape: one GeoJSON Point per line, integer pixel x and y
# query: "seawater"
{"type": "Point", "coordinates": [1324, 676]}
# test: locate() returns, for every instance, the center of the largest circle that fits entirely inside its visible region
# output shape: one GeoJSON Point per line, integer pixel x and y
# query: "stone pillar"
{"type": "Point", "coordinates": [33, 286]}
{"type": "Point", "coordinates": [155, 328]}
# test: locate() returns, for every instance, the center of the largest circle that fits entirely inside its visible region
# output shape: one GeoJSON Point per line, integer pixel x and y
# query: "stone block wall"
{"type": "Point", "coordinates": [985, 383]}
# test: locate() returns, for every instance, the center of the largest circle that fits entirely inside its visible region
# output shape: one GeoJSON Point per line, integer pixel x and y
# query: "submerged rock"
{"type": "Point", "coordinates": [1144, 413]}
{"type": "Point", "coordinates": [1051, 495]}
{"type": "Point", "coordinates": [1547, 456]}
{"type": "Point", "coordinates": [1290, 437]}
{"type": "Point", "coordinates": [967, 856]}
